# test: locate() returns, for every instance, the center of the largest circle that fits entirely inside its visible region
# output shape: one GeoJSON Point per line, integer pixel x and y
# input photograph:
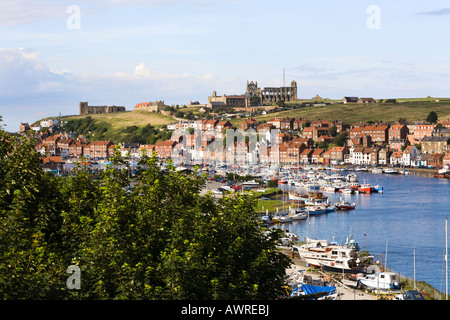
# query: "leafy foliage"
{"type": "Point", "coordinates": [160, 239]}
{"type": "Point", "coordinates": [101, 130]}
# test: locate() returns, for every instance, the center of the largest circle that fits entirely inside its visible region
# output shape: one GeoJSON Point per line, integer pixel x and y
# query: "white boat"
{"type": "Point", "coordinates": [285, 219]}
{"type": "Point", "coordinates": [331, 256]}
{"type": "Point", "coordinates": [347, 191]}
{"type": "Point", "coordinates": [315, 202]}
{"type": "Point", "coordinates": [351, 177]}
{"type": "Point", "coordinates": [390, 171]}
{"type": "Point", "coordinates": [377, 170]}
{"type": "Point", "coordinates": [300, 216]}
{"type": "Point", "coordinates": [251, 184]}
{"type": "Point", "coordinates": [295, 197]}
{"type": "Point", "coordinates": [345, 205]}
{"type": "Point", "coordinates": [379, 281]}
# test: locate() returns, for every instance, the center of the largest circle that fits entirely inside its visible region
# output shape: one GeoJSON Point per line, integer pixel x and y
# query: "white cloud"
{"type": "Point", "coordinates": [30, 89]}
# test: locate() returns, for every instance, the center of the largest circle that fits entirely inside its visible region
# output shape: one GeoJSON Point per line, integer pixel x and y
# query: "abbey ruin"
{"type": "Point", "coordinates": [272, 94]}
{"type": "Point", "coordinates": [85, 109]}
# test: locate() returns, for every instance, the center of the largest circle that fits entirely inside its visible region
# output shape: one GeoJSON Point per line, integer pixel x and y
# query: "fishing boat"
{"type": "Point", "coordinates": [365, 188]}
{"type": "Point", "coordinates": [315, 199]}
{"type": "Point", "coordinates": [344, 205]}
{"type": "Point", "coordinates": [378, 188]}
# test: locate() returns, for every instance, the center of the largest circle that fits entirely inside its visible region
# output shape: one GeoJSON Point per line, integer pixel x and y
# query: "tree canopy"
{"type": "Point", "coordinates": [155, 237]}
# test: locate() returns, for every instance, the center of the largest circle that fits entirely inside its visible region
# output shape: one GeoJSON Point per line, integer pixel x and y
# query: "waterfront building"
{"type": "Point", "coordinates": [396, 158]}
{"type": "Point", "coordinates": [436, 160]}
{"type": "Point", "coordinates": [384, 156]}
{"type": "Point", "coordinates": [409, 153]}
{"type": "Point", "coordinates": [420, 161]}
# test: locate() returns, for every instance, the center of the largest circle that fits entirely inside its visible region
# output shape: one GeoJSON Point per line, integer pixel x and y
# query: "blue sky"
{"type": "Point", "coordinates": [126, 52]}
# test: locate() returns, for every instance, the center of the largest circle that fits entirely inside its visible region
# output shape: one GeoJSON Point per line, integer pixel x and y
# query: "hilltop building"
{"type": "Point", "coordinates": [232, 101]}
{"type": "Point", "coordinates": [272, 94]}
{"type": "Point", "coordinates": [150, 106]}
{"type": "Point", "coordinates": [85, 109]}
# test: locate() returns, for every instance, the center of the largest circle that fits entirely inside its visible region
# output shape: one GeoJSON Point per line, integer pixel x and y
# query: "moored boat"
{"type": "Point", "coordinates": [391, 171]}
{"type": "Point", "coordinates": [365, 188]}
{"type": "Point", "coordinates": [378, 188]}
{"type": "Point", "coordinates": [316, 210]}
{"type": "Point", "coordinates": [344, 205]}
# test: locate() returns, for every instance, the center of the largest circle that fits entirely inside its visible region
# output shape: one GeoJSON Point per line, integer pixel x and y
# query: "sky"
{"type": "Point", "coordinates": [54, 54]}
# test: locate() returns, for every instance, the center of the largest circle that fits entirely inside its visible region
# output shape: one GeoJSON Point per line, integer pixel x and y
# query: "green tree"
{"type": "Point", "coordinates": [30, 203]}
{"type": "Point", "coordinates": [432, 117]}
{"type": "Point", "coordinates": [332, 131]}
{"type": "Point", "coordinates": [162, 240]}
{"type": "Point", "coordinates": [341, 139]}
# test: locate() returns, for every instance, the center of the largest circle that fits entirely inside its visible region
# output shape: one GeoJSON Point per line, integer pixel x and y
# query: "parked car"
{"type": "Point", "coordinates": [409, 295]}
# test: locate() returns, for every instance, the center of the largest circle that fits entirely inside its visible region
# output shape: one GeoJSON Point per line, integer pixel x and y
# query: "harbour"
{"type": "Point", "coordinates": [404, 223]}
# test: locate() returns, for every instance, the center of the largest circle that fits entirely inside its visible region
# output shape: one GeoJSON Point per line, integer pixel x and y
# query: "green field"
{"type": "Point", "coordinates": [122, 120]}
{"type": "Point", "coordinates": [351, 113]}
{"type": "Point", "coordinates": [131, 126]}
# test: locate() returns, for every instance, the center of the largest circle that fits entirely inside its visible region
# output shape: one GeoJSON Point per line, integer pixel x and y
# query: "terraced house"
{"type": "Point", "coordinates": [378, 133]}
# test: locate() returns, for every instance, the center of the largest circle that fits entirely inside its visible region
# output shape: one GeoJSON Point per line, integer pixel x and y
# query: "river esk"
{"type": "Point", "coordinates": [406, 220]}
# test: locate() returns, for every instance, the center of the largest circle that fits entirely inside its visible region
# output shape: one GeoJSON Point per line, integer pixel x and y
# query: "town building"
{"type": "Point", "coordinates": [434, 144]}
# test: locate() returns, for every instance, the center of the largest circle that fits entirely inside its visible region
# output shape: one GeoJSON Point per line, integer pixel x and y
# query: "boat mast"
{"type": "Point", "coordinates": [385, 259]}
{"type": "Point", "coordinates": [446, 259]}
{"type": "Point", "coordinates": [414, 255]}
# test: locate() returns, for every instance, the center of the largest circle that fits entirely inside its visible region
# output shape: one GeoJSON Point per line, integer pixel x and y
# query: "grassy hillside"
{"type": "Point", "coordinates": [350, 113]}
{"type": "Point", "coordinates": [131, 126]}
{"type": "Point", "coordinates": [122, 120]}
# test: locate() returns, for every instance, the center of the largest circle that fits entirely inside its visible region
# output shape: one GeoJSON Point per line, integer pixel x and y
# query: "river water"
{"type": "Point", "coordinates": [406, 220]}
